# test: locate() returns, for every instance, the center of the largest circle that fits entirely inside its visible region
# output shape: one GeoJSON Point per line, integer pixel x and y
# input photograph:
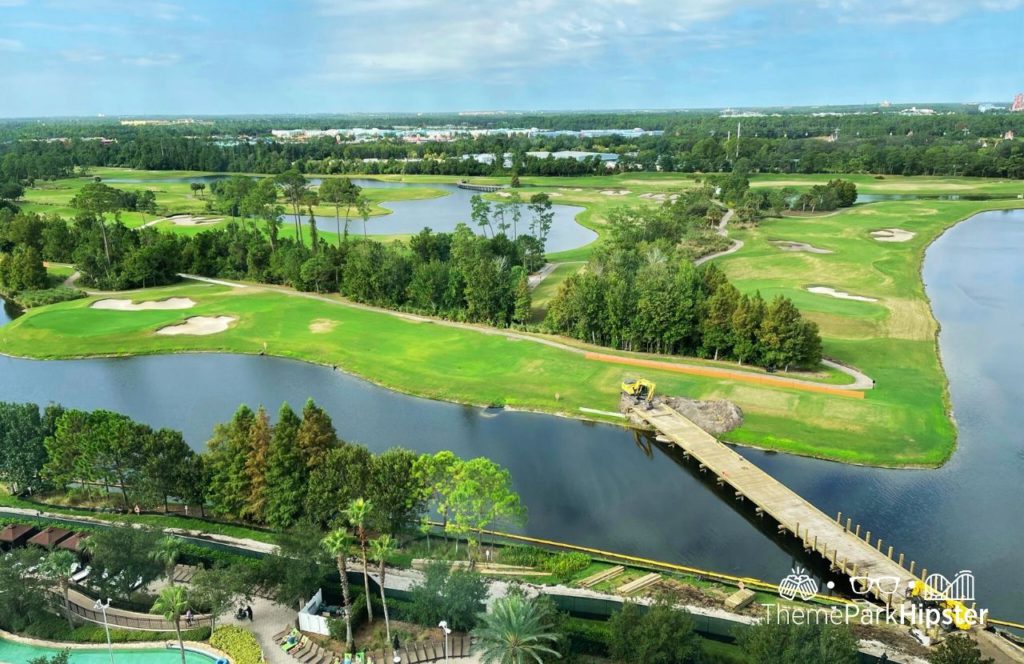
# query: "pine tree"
{"type": "Point", "coordinates": [316, 435]}
{"type": "Point", "coordinates": [779, 334]}
{"type": "Point", "coordinates": [286, 471]}
{"type": "Point", "coordinates": [524, 301]}
{"type": "Point", "coordinates": [256, 468]}
{"type": "Point", "coordinates": [716, 324]}
{"type": "Point", "coordinates": [226, 453]}
{"type": "Point", "coordinates": [746, 321]}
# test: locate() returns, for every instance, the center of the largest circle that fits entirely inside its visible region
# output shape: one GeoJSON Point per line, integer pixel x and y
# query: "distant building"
{"type": "Point", "coordinates": [1009, 135]}
{"type": "Point", "coordinates": [1018, 103]}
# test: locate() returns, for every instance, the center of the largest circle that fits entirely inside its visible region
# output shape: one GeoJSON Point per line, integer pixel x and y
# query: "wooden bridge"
{"type": "Point", "coordinates": [480, 187]}
{"type": "Point", "coordinates": [840, 544]}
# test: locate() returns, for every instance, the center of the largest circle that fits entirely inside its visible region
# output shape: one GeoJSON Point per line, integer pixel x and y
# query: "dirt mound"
{"type": "Point", "coordinates": [716, 416]}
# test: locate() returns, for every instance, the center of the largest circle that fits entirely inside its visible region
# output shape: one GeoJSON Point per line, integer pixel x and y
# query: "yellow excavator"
{"type": "Point", "coordinates": [958, 613]}
{"type": "Point", "coordinates": [641, 391]}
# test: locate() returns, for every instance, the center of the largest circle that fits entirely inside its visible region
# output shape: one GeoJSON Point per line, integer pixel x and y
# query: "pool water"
{"type": "Point", "coordinates": [18, 653]}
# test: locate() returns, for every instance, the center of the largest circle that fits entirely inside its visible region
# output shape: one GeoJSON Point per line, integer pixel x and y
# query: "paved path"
{"type": "Point", "coordinates": [582, 349]}
{"type": "Point", "coordinates": [724, 232]}
{"type": "Point", "coordinates": [541, 274]}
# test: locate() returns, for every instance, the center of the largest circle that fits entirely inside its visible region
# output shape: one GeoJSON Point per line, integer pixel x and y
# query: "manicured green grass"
{"type": "Point", "coordinates": [464, 365]}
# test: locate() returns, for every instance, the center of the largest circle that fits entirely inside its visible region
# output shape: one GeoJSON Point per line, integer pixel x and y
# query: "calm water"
{"type": "Point", "coordinates": [594, 485]}
{"type": "Point", "coordinates": [440, 214]}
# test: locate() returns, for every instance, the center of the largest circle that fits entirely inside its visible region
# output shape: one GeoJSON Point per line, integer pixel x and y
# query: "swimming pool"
{"type": "Point", "coordinates": [19, 653]}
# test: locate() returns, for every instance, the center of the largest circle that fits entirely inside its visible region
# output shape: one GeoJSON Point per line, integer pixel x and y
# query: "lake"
{"type": "Point", "coordinates": [407, 217]}
{"type": "Point", "coordinates": [603, 486]}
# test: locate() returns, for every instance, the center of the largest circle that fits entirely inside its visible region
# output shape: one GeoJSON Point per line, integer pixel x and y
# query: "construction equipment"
{"type": "Point", "coordinates": [641, 390]}
{"type": "Point", "coordinates": [955, 613]}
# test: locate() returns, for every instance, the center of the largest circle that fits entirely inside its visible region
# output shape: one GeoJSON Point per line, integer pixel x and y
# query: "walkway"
{"type": "Point", "coordinates": [82, 606]}
{"type": "Point", "coordinates": [581, 349]}
{"type": "Point", "coordinates": [724, 232]}
{"type": "Point", "coordinates": [822, 534]}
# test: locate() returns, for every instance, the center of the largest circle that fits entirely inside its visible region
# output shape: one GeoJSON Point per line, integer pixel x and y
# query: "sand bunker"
{"type": "Point", "coordinates": [615, 192]}
{"type": "Point", "coordinates": [128, 305]}
{"type": "Point", "coordinates": [322, 325]}
{"type": "Point", "coordinates": [842, 295]}
{"type": "Point", "coordinates": [787, 245]}
{"type": "Point", "coordinates": [892, 235]}
{"type": "Point", "coordinates": [199, 326]}
{"type": "Point", "coordinates": [188, 220]}
{"type": "Point", "coordinates": [660, 197]}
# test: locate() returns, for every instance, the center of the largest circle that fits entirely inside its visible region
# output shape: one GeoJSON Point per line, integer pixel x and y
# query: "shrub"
{"type": "Point", "coordinates": [587, 637]}
{"type": "Point", "coordinates": [37, 298]}
{"type": "Point", "coordinates": [565, 565]}
{"type": "Point", "coordinates": [238, 643]}
{"type": "Point", "coordinates": [526, 556]}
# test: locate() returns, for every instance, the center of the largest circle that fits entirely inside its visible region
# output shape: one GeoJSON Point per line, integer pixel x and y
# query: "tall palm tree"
{"type": "Point", "coordinates": [338, 543]}
{"type": "Point", "coordinates": [57, 567]}
{"type": "Point", "coordinates": [171, 603]}
{"type": "Point", "coordinates": [514, 632]}
{"type": "Point", "coordinates": [358, 513]}
{"type": "Point", "coordinates": [167, 552]}
{"type": "Point", "coordinates": [380, 549]}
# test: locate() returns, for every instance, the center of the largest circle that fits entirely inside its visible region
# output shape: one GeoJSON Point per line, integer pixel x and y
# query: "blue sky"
{"type": "Point", "coordinates": [180, 57]}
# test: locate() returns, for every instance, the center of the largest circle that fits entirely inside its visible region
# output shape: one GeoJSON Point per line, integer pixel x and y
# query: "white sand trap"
{"type": "Point", "coordinates": [151, 305]}
{"type": "Point", "coordinates": [504, 194]}
{"type": "Point", "coordinates": [191, 220]}
{"type": "Point", "coordinates": [555, 194]}
{"type": "Point", "coordinates": [615, 192]}
{"type": "Point", "coordinates": [892, 235]}
{"type": "Point", "coordinates": [199, 326]}
{"type": "Point", "coordinates": [842, 295]}
{"type": "Point", "coordinates": [787, 245]}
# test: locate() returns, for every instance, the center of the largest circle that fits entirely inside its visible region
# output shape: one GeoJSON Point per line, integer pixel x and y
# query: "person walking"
{"type": "Point", "coordinates": [248, 612]}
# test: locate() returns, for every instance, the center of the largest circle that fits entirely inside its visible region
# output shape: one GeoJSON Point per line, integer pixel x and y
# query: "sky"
{"type": "Point", "coordinates": [212, 57]}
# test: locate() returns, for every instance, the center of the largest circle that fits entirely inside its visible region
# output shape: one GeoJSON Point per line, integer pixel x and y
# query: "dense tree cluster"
{"type": "Point", "coordinates": [639, 293]}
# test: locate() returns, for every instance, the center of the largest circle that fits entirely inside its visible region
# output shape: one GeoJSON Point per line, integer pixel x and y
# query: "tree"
{"type": "Point", "coordinates": [959, 649]}
{"type": "Point", "coordinates": [23, 270]}
{"type": "Point", "coordinates": [220, 588]}
{"type": "Point", "coordinates": [168, 460]}
{"type": "Point", "coordinates": [480, 213]}
{"type": "Point", "coordinates": [358, 514]}
{"type": "Point", "coordinates": [294, 188]}
{"type": "Point", "coordinates": [171, 603]}
{"type": "Point", "coordinates": [62, 657]}
{"type": "Point", "coordinates": [57, 567]}
{"type": "Point", "coordinates": [167, 552]}
{"type": "Point", "coordinates": [256, 468]}
{"type": "Point", "coordinates": [121, 558]}
{"type": "Point", "coordinates": [659, 635]}
{"type": "Point", "coordinates": [340, 479]}
{"type": "Point", "coordinates": [445, 594]}
{"type": "Point", "coordinates": [543, 217]}
{"type": "Point", "coordinates": [99, 199]}
{"type": "Point", "coordinates": [22, 453]}
{"type": "Point", "coordinates": [338, 543]}
{"type": "Point", "coordinates": [380, 548]}
{"type": "Point", "coordinates": [514, 632]}
{"type": "Point", "coordinates": [524, 302]}
{"type": "Point", "coordinates": [340, 192]}
{"type": "Point", "coordinates": [716, 324]}
{"type": "Point", "coordinates": [788, 643]}
{"type": "Point", "coordinates": [482, 495]}
{"type": "Point", "coordinates": [226, 455]}
{"type": "Point", "coordinates": [287, 475]}
{"type": "Point", "coordinates": [394, 490]}
{"type": "Point", "coordinates": [316, 435]}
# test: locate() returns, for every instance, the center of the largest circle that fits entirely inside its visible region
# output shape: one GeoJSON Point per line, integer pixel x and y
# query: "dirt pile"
{"type": "Point", "coordinates": [716, 416]}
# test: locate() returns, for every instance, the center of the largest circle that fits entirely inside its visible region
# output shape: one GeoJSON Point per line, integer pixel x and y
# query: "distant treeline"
{"type": "Point", "coordinates": [884, 143]}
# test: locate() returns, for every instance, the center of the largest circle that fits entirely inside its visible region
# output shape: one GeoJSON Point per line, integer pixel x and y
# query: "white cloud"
{"type": "Point", "coordinates": [83, 56]}
{"type": "Point", "coordinates": [417, 38]}
{"type": "Point", "coordinates": [161, 60]}
{"type": "Point", "coordinates": [912, 11]}
{"type": "Point", "coordinates": [10, 45]}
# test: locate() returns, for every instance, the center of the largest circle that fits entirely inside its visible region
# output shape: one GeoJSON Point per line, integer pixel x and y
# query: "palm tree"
{"type": "Point", "coordinates": [171, 603]}
{"type": "Point", "coordinates": [57, 567]}
{"type": "Point", "coordinates": [358, 513]}
{"type": "Point", "coordinates": [380, 549]}
{"type": "Point", "coordinates": [338, 543]}
{"type": "Point", "coordinates": [515, 632]}
{"type": "Point", "coordinates": [167, 552]}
